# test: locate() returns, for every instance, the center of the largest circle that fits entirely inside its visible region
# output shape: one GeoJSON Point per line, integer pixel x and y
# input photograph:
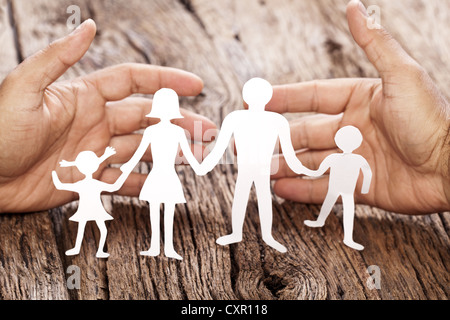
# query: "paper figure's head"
{"type": "Point", "coordinates": [257, 93]}
{"type": "Point", "coordinates": [86, 162]}
{"type": "Point", "coordinates": [348, 139]}
{"type": "Point", "coordinates": [166, 105]}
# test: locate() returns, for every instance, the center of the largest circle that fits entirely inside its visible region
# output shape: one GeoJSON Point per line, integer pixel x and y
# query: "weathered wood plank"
{"type": "Point", "coordinates": [30, 265]}
{"type": "Point", "coordinates": [93, 277]}
{"type": "Point", "coordinates": [8, 53]}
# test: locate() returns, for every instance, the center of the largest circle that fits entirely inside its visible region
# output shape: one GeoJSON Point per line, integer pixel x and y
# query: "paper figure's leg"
{"type": "Point", "coordinates": [80, 233]}
{"type": "Point", "coordinates": [325, 211]}
{"type": "Point", "coordinates": [264, 195]}
{"type": "Point", "coordinates": [169, 212]}
{"type": "Point", "coordinates": [155, 247]}
{"type": "Point", "coordinates": [240, 201]}
{"type": "Point", "coordinates": [349, 218]}
{"type": "Point", "coordinates": [103, 233]}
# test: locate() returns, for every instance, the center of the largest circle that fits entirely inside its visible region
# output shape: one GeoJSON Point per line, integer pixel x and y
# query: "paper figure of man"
{"type": "Point", "coordinates": [256, 133]}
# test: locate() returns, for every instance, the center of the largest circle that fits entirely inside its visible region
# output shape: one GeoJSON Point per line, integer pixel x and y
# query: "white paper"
{"type": "Point", "coordinates": [344, 172]}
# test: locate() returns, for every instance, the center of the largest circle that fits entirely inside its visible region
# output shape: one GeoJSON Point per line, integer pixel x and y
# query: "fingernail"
{"type": "Point", "coordinates": [362, 8]}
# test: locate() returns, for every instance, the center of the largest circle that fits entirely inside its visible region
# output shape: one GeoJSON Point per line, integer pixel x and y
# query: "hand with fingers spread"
{"type": "Point", "coordinates": [44, 121]}
{"type": "Point", "coordinates": [109, 151]}
{"type": "Point", "coordinates": [404, 119]}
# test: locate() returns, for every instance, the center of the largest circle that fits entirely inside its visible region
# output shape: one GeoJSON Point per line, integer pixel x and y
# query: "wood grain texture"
{"type": "Point", "coordinates": [226, 43]}
{"type": "Point", "coordinates": [30, 264]}
{"type": "Point", "coordinates": [8, 52]}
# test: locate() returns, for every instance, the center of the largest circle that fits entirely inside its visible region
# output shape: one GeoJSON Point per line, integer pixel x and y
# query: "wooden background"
{"type": "Point", "coordinates": [227, 42]}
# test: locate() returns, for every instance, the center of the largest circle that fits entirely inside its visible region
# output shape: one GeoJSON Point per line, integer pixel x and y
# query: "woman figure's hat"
{"type": "Point", "coordinates": [166, 105]}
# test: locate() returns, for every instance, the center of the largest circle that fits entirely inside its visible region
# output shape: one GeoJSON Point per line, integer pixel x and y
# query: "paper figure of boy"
{"type": "Point", "coordinates": [256, 132]}
{"type": "Point", "coordinates": [90, 206]}
{"type": "Point", "coordinates": [344, 172]}
{"type": "Point", "coordinates": [163, 185]}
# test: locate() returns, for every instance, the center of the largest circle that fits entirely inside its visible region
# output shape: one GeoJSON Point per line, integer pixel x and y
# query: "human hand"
{"type": "Point", "coordinates": [403, 117]}
{"type": "Point", "coordinates": [43, 122]}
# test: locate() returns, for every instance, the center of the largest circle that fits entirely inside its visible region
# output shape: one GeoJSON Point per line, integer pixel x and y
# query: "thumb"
{"type": "Point", "coordinates": [46, 66]}
{"type": "Point", "coordinates": [383, 51]}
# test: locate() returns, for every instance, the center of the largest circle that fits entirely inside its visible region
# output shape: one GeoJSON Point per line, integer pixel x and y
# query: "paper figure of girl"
{"type": "Point", "coordinates": [344, 172]}
{"type": "Point", "coordinates": [90, 206]}
{"type": "Point", "coordinates": [163, 185]}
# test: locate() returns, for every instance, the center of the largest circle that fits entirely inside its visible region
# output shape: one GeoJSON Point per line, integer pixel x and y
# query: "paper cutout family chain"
{"type": "Point", "coordinates": [256, 133]}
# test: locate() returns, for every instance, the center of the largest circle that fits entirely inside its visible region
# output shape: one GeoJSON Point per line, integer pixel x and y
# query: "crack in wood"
{"type": "Point", "coordinates": [187, 4]}
{"type": "Point", "coordinates": [12, 22]}
{"type": "Point", "coordinates": [137, 47]}
{"type": "Point", "coordinates": [273, 283]}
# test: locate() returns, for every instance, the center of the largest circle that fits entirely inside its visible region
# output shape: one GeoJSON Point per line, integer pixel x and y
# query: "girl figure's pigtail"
{"type": "Point", "coordinates": [66, 164]}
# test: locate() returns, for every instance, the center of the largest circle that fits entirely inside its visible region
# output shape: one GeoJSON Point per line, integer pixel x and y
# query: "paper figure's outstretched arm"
{"type": "Point", "coordinates": [63, 186]}
{"type": "Point", "coordinates": [187, 152]}
{"type": "Point", "coordinates": [129, 166]}
{"type": "Point", "coordinates": [109, 151]}
{"type": "Point", "coordinates": [324, 166]}
{"type": "Point", "coordinates": [367, 173]}
{"type": "Point", "coordinates": [226, 132]}
{"type": "Point", "coordinates": [116, 185]}
{"type": "Point", "coordinates": [288, 151]}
